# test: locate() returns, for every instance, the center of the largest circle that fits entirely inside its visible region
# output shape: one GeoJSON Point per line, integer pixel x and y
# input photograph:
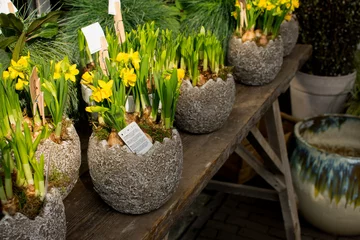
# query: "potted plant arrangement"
{"type": "Point", "coordinates": [129, 178]}
{"type": "Point", "coordinates": [62, 146]}
{"type": "Point", "coordinates": [323, 84]}
{"type": "Point", "coordinates": [27, 207]}
{"type": "Point", "coordinates": [256, 49]}
{"type": "Point", "coordinates": [289, 29]}
{"type": "Point", "coordinates": [208, 92]}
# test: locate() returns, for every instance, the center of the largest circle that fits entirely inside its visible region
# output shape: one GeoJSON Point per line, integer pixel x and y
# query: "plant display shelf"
{"type": "Point", "coordinates": [88, 217]}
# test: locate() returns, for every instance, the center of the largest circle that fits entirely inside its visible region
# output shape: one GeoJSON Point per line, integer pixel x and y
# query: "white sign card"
{"type": "Point", "coordinates": [6, 6]}
{"type": "Point", "coordinates": [111, 8]}
{"type": "Point", "coordinates": [93, 35]}
{"type": "Point", "coordinates": [135, 139]}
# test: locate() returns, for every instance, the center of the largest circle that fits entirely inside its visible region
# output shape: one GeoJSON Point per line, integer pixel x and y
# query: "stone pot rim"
{"type": "Point", "coordinates": [127, 149]}
{"type": "Point", "coordinates": [271, 41]}
{"type": "Point", "coordinates": [52, 191]}
{"type": "Point", "coordinates": [307, 122]}
{"type": "Point", "coordinates": [229, 75]}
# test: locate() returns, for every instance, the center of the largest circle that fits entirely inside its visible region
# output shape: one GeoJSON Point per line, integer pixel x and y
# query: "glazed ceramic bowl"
{"type": "Point", "coordinates": [325, 165]}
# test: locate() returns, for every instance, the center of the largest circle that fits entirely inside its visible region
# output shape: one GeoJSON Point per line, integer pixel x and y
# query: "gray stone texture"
{"type": "Point", "coordinates": [136, 184]}
{"type": "Point", "coordinates": [254, 65]}
{"type": "Point", "coordinates": [205, 109]}
{"type": "Point", "coordinates": [64, 158]}
{"type": "Point", "coordinates": [49, 225]}
{"type": "Point", "coordinates": [289, 32]}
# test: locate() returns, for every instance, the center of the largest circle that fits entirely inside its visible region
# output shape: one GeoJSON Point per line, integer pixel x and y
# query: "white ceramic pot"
{"type": "Point", "coordinates": [50, 224]}
{"type": "Point", "coordinates": [313, 95]}
{"type": "Point", "coordinates": [327, 183]}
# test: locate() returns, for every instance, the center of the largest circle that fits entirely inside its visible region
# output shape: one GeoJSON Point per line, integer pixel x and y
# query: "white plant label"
{"type": "Point", "coordinates": [93, 34]}
{"type": "Point", "coordinates": [111, 9]}
{"type": "Point", "coordinates": [135, 139]}
{"type": "Point", "coordinates": [6, 6]}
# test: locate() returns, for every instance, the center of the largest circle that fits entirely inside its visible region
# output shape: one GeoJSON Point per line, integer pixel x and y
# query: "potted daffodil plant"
{"type": "Point", "coordinates": [135, 158]}
{"type": "Point", "coordinates": [256, 49]}
{"type": "Point", "coordinates": [50, 82]}
{"type": "Point", "coordinates": [207, 79]}
{"type": "Point", "coordinates": [26, 196]}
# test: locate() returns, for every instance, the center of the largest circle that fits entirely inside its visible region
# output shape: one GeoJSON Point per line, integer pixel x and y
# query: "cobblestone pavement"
{"type": "Point", "coordinates": [242, 218]}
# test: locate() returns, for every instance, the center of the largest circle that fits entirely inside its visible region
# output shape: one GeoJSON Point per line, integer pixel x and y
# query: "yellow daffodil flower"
{"type": "Point", "coordinates": [15, 73]}
{"type": "Point", "coordinates": [87, 78]}
{"type": "Point", "coordinates": [180, 74]}
{"type": "Point", "coordinates": [248, 6]}
{"type": "Point", "coordinates": [57, 70]}
{"type": "Point", "coordinates": [288, 17]}
{"type": "Point", "coordinates": [128, 76]}
{"type": "Point", "coordinates": [234, 13]}
{"type": "Point", "coordinates": [135, 59]}
{"type": "Point", "coordinates": [96, 109]}
{"type": "Point", "coordinates": [122, 57]}
{"type": "Point", "coordinates": [104, 91]}
{"type": "Point", "coordinates": [20, 84]}
{"type": "Point", "coordinates": [71, 73]}
{"type": "Point", "coordinates": [6, 75]}
{"type": "Point", "coordinates": [237, 4]}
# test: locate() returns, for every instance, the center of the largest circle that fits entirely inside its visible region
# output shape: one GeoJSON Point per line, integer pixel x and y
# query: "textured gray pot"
{"type": "Point", "coordinates": [65, 158]}
{"type": "Point", "coordinates": [205, 109]}
{"type": "Point", "coordinates": [289, 32]}
{"type": "Point", "coordinates": [49, 225]}
{"type": "Point", "coordinates": [254, 65]}
{"type": "Point", "coordinates": [132, 183]}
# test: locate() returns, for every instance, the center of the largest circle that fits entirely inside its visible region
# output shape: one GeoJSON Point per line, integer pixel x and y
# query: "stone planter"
{"type": "Point", "coordinates": [289, 32]}
{"type": "Point", "coordinates": [325, 167]}
{"type": "Point", "coordinates": [133, 183]}
{"type": "Point", "coordinates": [65, 159]}
{"type": "Point", "coordinates": [205, 109]}
{"type": "Point", "coordinates": [48, 225]}
{"type": "Point", "coordinates": [254, 65]}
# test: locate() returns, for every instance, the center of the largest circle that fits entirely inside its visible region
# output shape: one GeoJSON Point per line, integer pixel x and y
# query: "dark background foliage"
{"type": "Point", "coordinates": [332, 27]}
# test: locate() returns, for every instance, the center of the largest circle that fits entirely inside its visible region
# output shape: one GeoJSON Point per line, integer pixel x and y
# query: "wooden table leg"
{"type": "Point", "coordinates": [287, 196]}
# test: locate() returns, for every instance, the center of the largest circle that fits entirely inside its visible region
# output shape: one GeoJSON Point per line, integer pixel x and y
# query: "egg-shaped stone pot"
{"type": "Point", "coordinates": [205, 109]}
{"type": "Point", "coordinates": [289, 32]}
{"type": "Point", "coordinates": [50, 224]}
{"type": "Point", "coordinates": [255, 65]}
{"type": "Point", "coordinates": [325, 166]}
{"type": "Point", "coordinates": [64, 158]}
{"type": "Point", "coordinates": [135, 184]}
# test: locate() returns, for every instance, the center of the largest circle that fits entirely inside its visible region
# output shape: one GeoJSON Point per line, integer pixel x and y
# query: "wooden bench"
{"type": "Point", "coordinates": [88, 217]}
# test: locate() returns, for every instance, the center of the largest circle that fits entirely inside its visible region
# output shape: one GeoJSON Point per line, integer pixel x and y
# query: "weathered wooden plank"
{"type": "Point", "coordinates": [264, 149]}
{"type": "Point", "coordinates": [287, 197]}
{"type": "Point", "coordinates": [274, 180]}
{"type": "Point", "coordinates": [203, 156]}
{"type": "Point", "coordinates": [243, 190]}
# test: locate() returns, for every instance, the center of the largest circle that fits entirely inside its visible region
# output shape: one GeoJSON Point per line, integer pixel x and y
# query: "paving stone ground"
{"type": "Point", "coordinates": [243, 218]}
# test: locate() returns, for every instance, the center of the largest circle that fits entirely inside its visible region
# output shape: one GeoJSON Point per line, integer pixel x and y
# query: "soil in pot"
{"type": "Point", "coordinates": [253, 64]}
{"type": "Point", "coordinates": [64, 156]}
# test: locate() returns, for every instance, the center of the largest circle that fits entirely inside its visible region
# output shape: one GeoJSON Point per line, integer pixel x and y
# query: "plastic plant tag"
{"type": "Point", "coordinates": [6, 6]}
{"type": "Point", "coordinates": [111, 9]}
{"type": "Point", "coordinates": [93, 34]}
{"type": "Point", "coordinates": [135, 139]}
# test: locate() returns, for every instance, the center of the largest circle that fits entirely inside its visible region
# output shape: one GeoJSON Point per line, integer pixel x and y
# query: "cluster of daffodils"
{"type": "Point", "coordinates": [18, 71]}
{"type": "Point", "coordinates": [260, 20]}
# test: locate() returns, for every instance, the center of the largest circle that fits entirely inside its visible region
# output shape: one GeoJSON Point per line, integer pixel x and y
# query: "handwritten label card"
{"type": "Point", "coordinates": [93, 35]}
{"type": "Point", "coordinates": [6, 6]}
{"type": "Point", "coordinates": [111, 8]}
{"type": "Point", "coordinates": [135, 139]}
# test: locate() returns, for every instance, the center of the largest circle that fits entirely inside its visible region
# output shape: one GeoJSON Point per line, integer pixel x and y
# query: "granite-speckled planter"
{"type": "Point", "coordinates": [205, 109]}
{"type": "Point", "coordinates": [65, 158]}
{"type": "Point", "coordinates": [327, 183]}
{"type": "Point", "coordinates": [136, 184]}
{"type": "Point", "coordinates": [289, 31]}
{"type": "Point", "coordinates": [254, 65]}
{"type": "Point", "coordinates": [50, 224]}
